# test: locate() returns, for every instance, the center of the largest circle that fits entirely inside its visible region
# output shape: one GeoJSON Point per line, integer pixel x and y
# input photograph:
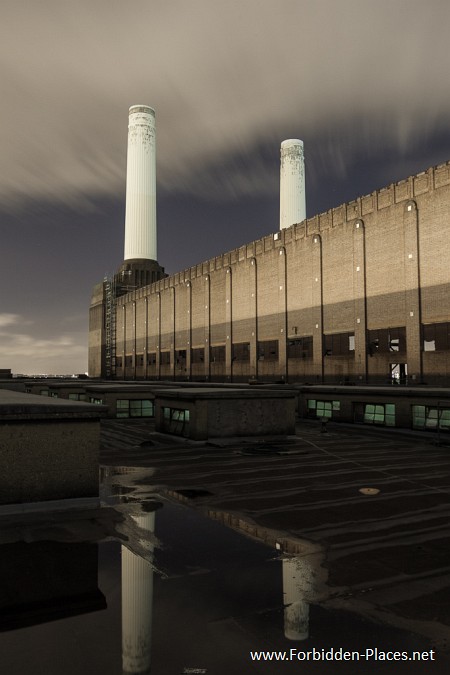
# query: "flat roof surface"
{"type": "Point", "coordinates": [369, 390]}
{"type": "Point", "coordinates": [112, 388]}
{"type": "Point", "coordinates": [386, 550]}
{"type": "Point", "coordinates": [71, 384]}
{"type": "Point", "coordinates": [17, 404]}
{"type": "Point", "coordinates": [213, 393]}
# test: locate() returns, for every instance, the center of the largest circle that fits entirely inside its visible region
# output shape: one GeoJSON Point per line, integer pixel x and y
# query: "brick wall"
{"type": "Point", "coordinates": [380, 261]}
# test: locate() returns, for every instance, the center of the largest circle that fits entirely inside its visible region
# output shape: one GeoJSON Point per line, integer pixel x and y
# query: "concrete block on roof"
{"type": "Point", "coordinates": [48, 448]}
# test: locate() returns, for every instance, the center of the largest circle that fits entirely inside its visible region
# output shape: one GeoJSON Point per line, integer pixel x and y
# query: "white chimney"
{"type": "Point", "coordinates": [292, 183]}
{"type": "Point", "coordinates": [140, 214]}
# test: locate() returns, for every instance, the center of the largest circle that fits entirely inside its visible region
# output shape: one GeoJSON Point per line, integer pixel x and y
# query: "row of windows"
{"type": "Point", "coordinates": [429, 417]}
{"type": "Point", "coordinates": [423, 417]}
{"type": "Point", "coordinates": [135, 408]}
{"type": "Point", "coordinates": [77, 397]}
{"type": "Point", "coordinates": [435, 337]}
{"type": "Point", "coordinates": [130, 407]}
{"type": "Point", "coordinates": [364, 413]}
{"type": "Point", "coordinates": [267, 351]}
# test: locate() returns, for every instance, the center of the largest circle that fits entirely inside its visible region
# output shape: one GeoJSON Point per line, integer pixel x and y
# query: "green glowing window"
{"type": "Point", "coordinates": [389, 414]}
{"type": "Point", "coordinates": [176, 421]}
{"type": "Point", "coordinates": [322, 408]}
{"type": "Point", "coordinates": [135, 408]}
{"type": "Point", "coordinates": [444, 418]}
{"type": "Point", "coordinates": [431, 419]}
{"type": "Point", "coordinates": [418, 415]}
{"type": "Point", "coordinates": [427, 417]}
{"type": "Point", "coordinates": [77, 397]}
{"type": "Point", "coordinates": [375, 413]}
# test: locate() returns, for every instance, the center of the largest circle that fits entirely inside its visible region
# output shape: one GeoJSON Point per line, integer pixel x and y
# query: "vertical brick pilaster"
{"type": "Point", "coordinates": [317, 306]}
{"type": "Point", "coordinates": [359, 294]}
{"type": "Point", "coordinates": [189, 329]}
{"type": "Point", "coordinates": [158, 333]}
{"type": "Point", "coordinates": [412, 291]}
{"type": "Point", "coordinates": [145, 337]}
{"type": "Point", "coordinates": [282, 312]}
{"type": "Point", "coordinates": [228, 323]}
{"type": "Point", "coordinates": [124, 340]}
{"type": "Point", "coordinates": [172, 328]}
{"type": "Point", "coordinates": [133, 339]}
{"type": "Point", "coordinates": [253, 277]}
{"type": "Point", "coordinates": [207, 325]}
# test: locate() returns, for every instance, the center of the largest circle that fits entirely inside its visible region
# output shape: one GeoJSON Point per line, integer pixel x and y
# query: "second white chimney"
{"type": "Point", "coordinates": [292, 183]}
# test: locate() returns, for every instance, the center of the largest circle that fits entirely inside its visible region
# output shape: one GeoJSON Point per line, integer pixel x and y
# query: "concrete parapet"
{"type": "Point", "coordinates": [48, 448]}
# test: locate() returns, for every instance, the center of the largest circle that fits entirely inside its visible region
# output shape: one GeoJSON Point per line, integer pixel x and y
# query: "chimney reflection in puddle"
{"type": "Point", "coordinates": [137, 601]}
{"type": "Point", "coordinates": [301, 579]}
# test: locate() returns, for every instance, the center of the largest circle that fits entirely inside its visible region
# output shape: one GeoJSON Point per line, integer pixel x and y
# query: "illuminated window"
{"type": "Point", "coordinates": [379, 414]}
{"type": "Point", "coordinates": [135, 408]}
{"type": "Point", "coordinates": [428, 417]}
{"type": "Point", "coordinates": [321, 409]}
{"type": "Point", "coordinates": [175, 421]}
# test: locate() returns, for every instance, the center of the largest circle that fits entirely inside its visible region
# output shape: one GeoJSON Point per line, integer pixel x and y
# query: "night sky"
{"type": "Point", "coordinates": [364, 84]}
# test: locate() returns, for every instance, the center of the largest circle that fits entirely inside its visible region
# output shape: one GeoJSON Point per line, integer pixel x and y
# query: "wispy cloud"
{"type": "Point", "coordinates": [223, 77]}
{"type": "Point", "coordinates": [8, 319]}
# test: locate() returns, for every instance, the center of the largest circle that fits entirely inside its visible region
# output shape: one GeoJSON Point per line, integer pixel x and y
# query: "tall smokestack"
{"type": "Point", "coordinates": [292, 183]}
{"type": "Point", "coordinates": [140, 214]}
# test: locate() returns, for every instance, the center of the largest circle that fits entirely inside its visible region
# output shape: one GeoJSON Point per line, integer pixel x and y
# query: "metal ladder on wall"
{"type": "Point", "coordinates": [110, 327]}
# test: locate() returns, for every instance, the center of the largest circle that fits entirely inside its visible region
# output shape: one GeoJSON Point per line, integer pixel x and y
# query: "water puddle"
{"type": "Point", "coordinates": [149, 585]}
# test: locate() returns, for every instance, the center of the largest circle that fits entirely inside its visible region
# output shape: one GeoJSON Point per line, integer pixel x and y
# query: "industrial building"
{"type": "Point", "coordinates": [358, 294]}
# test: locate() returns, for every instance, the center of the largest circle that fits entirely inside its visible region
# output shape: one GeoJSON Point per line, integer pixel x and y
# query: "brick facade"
{"type": "Point", "coordinates": [341, 297]}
